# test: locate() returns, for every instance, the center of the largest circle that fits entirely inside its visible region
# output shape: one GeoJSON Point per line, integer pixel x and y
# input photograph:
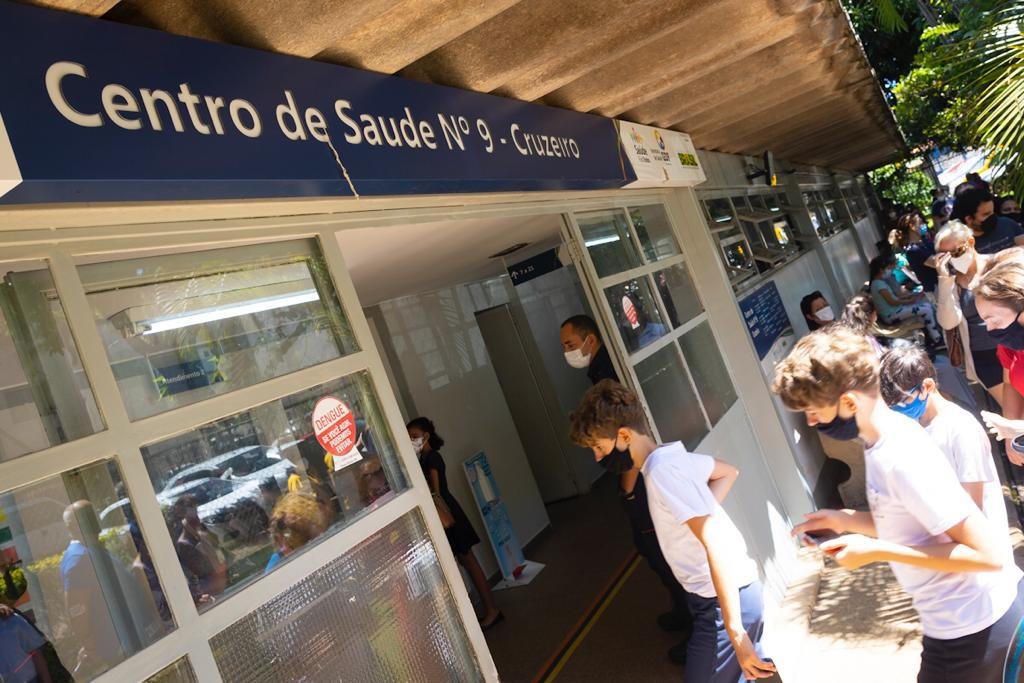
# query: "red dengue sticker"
{"type": "Point", "coordinates": [630, 310]}
{"type": "Point", "coordinates": [334, 426]}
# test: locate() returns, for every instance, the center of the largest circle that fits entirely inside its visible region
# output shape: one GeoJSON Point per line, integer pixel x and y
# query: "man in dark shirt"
{"type": "Point", "coordinates": [976, 208]}
{"type": "Point", "coordinates": [583, 348]}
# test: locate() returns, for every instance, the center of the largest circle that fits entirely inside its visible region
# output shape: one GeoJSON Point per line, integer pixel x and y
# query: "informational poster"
{"type": "Point", "coordinates": [334, 424]}
{"type": "Point", "coordinates": [514, 566]}
{"type": "Point", "coordinates": [659, 157]}
{"type": "Point", "coordinates": [768, 324]}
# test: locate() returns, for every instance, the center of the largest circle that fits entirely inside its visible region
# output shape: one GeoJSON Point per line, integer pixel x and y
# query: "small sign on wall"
{"type": "Point", "coordinates": [334, 424]}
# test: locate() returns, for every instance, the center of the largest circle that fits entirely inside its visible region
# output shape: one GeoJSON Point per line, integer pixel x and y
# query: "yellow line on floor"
{"type": "Point", "coordinates": [578, 640]}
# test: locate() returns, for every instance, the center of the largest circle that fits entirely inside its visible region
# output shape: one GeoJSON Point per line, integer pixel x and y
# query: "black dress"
{"type": "Point", "coordinates": [461, 535]}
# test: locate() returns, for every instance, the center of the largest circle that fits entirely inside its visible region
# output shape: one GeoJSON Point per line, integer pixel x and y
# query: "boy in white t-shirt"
{"type": "Point", "coordinates": [942, 549]}
{"type": "Point", "coordinates": [909, 386]}
{"type": "Point", "coordinates": [703, 547]}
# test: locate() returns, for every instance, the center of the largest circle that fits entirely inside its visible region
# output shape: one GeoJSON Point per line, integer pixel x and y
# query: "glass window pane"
{"type": "Point", "coordinates": [178, 672]}
{"type": "Point", "coordinates": [180, 328]}
{"type": "Point", "coordinates": [735, 250]}
{"type": "Point", "coordinates": [670, 397]}
{"type": "Point", "coordinates": [81, 571]}
{"type": "Point", "coordinates": [654, 232]}
{"type": "Point", "coordinates": [241, 494]}
{"type": "Point", "coordinates": [740, 203]}
{"type": "Point", "coordinates": [771, 202]}
{"type": "Point", "coordinates": [678, 294]}
{"type": "Point", "coordinates": [636, 313]}
{"type": "Point", "coordinates": [708, 371]}
{"type": "Point", "coordinates": [719, 211]}
{"type": "Point", "coordinates": [45, 399]}
{"type": "Point", "coordinates": [381, 612]}
{"type": "Point", "coordinates": [606, 236]}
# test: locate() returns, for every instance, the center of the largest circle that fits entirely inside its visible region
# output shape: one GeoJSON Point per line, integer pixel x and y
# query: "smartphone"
{"type": "Point", "coordinates": [818, 537]}
{"type": "Point", "coordinates": [1018, 443]}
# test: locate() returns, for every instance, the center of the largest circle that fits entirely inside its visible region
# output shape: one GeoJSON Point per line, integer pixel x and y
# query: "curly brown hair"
{"type": "Point", "coordinates": [823, 366]}
{"type": "Point", "coordinates": [297, 519]}
{"type": "Point", "coordinates": [606, 407]}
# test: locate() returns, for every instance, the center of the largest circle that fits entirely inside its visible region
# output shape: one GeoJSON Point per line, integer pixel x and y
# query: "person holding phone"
{"type": "Point", "coordinates": [944, 552]}
{"type": "Point", "coordinates": [959, 267]}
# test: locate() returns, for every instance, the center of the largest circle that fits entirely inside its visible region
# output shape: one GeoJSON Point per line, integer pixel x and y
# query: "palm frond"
{"type": "Point", "coordinates": [888, 17]}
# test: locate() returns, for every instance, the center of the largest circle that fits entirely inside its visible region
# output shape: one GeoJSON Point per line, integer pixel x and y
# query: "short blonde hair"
{"type": "Point", "coordinates": [823, 366]}
{"type": "Point", "coordinates": [954, 229]}
{"type": "Point", "coordinates": [298, 519]}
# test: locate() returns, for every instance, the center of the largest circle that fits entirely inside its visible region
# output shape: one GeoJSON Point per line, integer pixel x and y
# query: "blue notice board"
{"type": "Point", "coordinates": [503, 537]}
{"type": "Point", "coordinates": [765, 317]}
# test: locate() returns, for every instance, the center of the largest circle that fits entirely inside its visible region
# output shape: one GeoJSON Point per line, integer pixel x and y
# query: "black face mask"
{"type": "Point", "coordinates": [618, 461]}
{"type": "Point", "coordinates": [989, 224]}
{"type": "Point", "coordinates": [1011, 336]}
{"type": "Point", "coordinates": [840, 428]}
{"type": "Point", "coordinates": [1014, 215]}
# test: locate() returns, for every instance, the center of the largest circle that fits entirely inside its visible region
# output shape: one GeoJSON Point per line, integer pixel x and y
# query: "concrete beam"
{"type": "Point", "coordinates": [94, 8]}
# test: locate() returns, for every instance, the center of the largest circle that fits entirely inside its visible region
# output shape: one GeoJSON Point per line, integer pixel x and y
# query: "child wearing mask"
{"type": "Point", "coordinates": [706, 551]}
{"type": "Point", "coordinates": [942, 549]}
{"type": "Point", "coordinates": [909, 386]}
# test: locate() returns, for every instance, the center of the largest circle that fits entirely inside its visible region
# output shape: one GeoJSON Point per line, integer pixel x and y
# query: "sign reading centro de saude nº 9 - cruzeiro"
{"type": "Point", "coordinates": [92, 110]}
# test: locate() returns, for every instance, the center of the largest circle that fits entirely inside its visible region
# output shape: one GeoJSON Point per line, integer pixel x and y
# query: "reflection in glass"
{"type": "Point", "coordinates": [181, 328]}
{"type": "Point", "coordinates": [84, 578]}
{"type": "Point", "coordinates": [735, 250]}
{"type": "Point", "coordinates": [654, 232]}
{"type": "Point", "coordinates": [719, 211]}
{"type": "Point", "coordinates": [636, 313]}
{"type": "Point", "coordinates": [606, 236]}
{"type": "Point", "coordinates": [678, 294]}
{"type": "Point", "coordinates": [242, 494]}
{"type": "Point", "coordinates": [740, 203]}
{"type": "Point", "coordinates": [708, 370]}
{"type": "Point", "coordinates": [179, 671]}
{"type": "Point", "coordinates": [670, 397]}
{"type": "Point", "coordinates": [45, 399]}
{"type": "Point", "coordinates": [383, 611]}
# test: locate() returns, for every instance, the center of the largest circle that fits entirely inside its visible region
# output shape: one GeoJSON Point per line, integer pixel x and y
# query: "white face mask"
{"type": "Point", "coordinates": [826, 314]}
{"type": "Point", "coordinates": [576, 359]}
{"type": "Point", "coordinates": [963, 262]}
{"type": "Point", "coordinates": [417, 445]}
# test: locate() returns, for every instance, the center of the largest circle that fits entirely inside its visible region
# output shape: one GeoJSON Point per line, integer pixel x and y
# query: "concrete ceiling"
{"type": "Point", "coordinates": [390, 262]}
{"type": "Point", "coordinates": [740, 76]}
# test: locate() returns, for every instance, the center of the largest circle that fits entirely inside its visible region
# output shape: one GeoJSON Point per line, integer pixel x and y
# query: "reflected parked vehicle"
{"type": "Point", "coordinates": [250, 463]}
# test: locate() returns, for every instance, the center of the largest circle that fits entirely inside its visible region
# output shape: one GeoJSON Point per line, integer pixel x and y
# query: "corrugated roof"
{"type": "Point", "coordinates": [740, 76]}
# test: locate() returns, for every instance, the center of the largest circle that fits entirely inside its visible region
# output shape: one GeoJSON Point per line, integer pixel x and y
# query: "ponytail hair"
{"type": "Point", "coordinates": [426, 426]}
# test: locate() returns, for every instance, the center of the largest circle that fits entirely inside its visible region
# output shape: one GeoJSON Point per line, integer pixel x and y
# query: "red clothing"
{"type": "Point", "coordinates": [1013, 361]}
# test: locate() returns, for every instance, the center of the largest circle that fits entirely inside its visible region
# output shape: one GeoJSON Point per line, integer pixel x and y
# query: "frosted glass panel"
{"type": "Point", "coordinates": [654, 232]}
{"type": "Point", "coordinates": [178, 672]}
{"type": "Point", "coordinates": [606, 236]}
{"type": "Point", "coordinates": [668, 392]}
{"type": "Point", "coordinates": [382, 612]}
{"type": "Point", "coordinates": [708, 370]}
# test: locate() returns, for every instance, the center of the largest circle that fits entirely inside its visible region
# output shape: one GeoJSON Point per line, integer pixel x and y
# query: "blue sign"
{"type": "Point", "coordinates": [765, 317]}
{"type": "Point", "coordinates": [503, 537]}
{"type": "Point", "coordinates": [99, 111]}
{"type": "Point", "coordinates": [541, 264]}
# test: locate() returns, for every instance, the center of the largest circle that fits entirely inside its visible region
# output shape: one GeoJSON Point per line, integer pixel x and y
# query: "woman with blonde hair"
{"type": "Point", "coordinates": [1000, 299]}
{"type": "Point", "coordinates": [297, 519]}
{"type": "Point", "coordinates": [959, 267]}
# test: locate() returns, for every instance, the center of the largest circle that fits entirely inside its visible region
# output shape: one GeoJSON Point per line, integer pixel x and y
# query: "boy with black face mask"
{"type": "Point", "coordinates": [706, 551]}
{"type": "Point", "coordinates": [946, 555]}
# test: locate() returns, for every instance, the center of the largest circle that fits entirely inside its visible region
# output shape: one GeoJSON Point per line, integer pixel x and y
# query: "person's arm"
{"type": "Point", "coordinates": [1013, 409]}
{"type": "Point", "coordinates": [971, 550]}
{"type": "Point", "coordinates": [722, 477]}
{"type": "Point", "coordinates": [839, 521]}
{"type": "Point", "coordinates": [434, 480]}
{"type": "Point", "coordinates": [976, 490]}
{"type": "Point", "coordinates": [1019, 240]}
{"type": "Point", "coordinates": [889, 297]}
{"type": "Point", "coordinates": [42, 670]}
{"type": "Point", "coordinates": [947, 298]}
{"type": "Point", "coordinates": [708, 530]}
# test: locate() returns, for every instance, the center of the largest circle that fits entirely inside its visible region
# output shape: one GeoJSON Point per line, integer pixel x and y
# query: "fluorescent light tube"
{"type": "Point", "coordinates": [215, 314]}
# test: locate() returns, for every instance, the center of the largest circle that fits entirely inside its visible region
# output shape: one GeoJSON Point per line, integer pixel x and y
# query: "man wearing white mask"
{"type": "Point", "coordinates": [959, 265]}
{"type": "Point", "coordinates": [581, 343]}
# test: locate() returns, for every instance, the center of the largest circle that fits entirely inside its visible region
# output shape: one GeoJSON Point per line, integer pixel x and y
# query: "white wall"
{"type": "Point", "coordinates": [868, 236]}
{"type": "Point", "coordinates": [848, 265]}
{"type": "Point", "coordinates": [448, 376]}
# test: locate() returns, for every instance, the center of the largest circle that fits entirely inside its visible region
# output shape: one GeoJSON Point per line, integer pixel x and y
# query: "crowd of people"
{"type": "Point", "coordinates": [944, 306]}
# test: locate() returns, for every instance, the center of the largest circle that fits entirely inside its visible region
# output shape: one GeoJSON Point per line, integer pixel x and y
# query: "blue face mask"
{"type": "Point", "coordinates": [915, 408]}
{"type": "Point", "coordinates": [841, 428]}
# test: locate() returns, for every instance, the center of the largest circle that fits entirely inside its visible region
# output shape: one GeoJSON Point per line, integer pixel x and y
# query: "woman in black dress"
{"type": "Point", "coordinates": [461, 536]}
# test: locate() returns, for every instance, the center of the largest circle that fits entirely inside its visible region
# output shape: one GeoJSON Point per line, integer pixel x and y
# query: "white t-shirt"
{"type": "Point", "coordinates": [677, 491]}
{"type": "Point", "coordinates": [915, 497]}
{"type": "Point", "coordinates": [963, 441]}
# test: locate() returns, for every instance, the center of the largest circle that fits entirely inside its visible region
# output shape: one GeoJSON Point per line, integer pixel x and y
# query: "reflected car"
{"type": "Point", "coordinates": [250, 463]}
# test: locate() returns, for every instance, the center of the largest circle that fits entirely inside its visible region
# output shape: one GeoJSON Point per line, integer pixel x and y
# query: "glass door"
{"type": "Point", "coordinates": [654, 322]}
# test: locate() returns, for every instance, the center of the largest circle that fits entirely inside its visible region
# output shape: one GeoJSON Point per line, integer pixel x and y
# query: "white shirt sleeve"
{"type": "Point", "coordinates": [682, 487]}
{"type": "Point", "coordinates": [932, 495]}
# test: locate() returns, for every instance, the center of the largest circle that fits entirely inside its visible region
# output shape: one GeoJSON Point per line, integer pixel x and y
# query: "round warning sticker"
{"type": "Point", "coordinates": [334, 425]}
